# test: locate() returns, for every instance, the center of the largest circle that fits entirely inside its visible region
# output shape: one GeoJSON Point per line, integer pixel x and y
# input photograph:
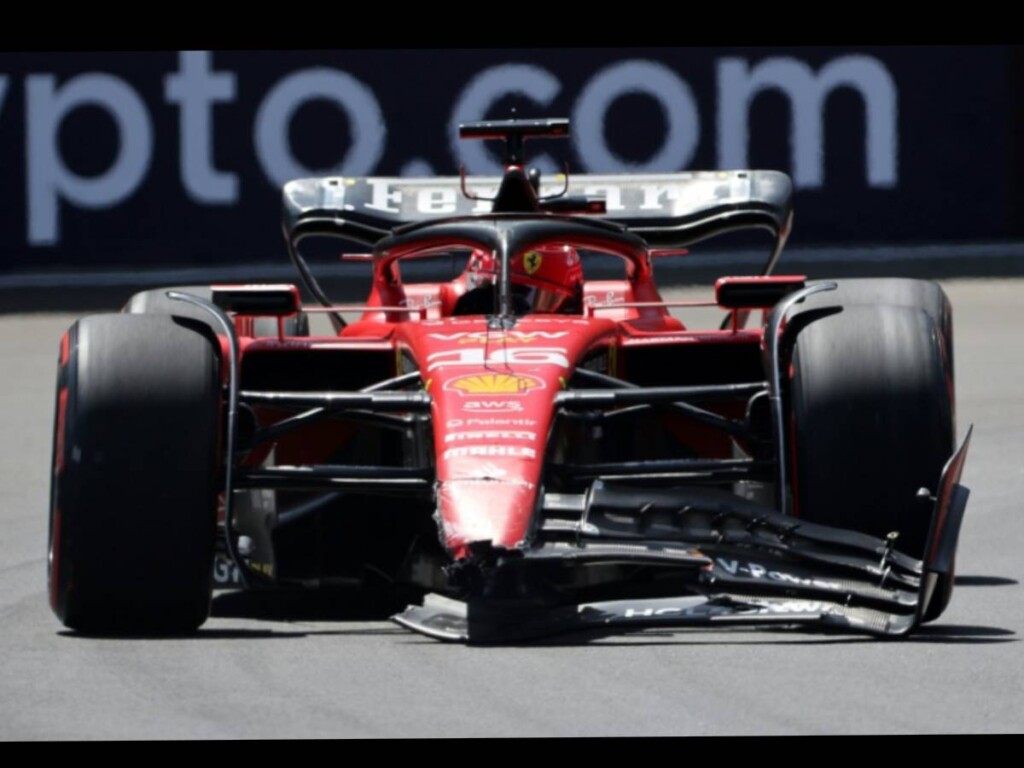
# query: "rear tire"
{"type": "Point", "coordinates": [871, 415]}
{"type": "Point", "coordinates": [156, 302]}
{"type": "Point", "coordinates": [135, 475]}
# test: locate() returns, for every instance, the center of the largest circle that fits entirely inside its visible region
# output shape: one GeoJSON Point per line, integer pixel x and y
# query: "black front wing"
{"type": "Point", "coordinates": [741, 563]}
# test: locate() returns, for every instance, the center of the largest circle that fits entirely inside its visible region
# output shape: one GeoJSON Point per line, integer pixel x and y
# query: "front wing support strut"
{"type": "Point", "coordinates": [377, 396]}
{"type": "Point", "coordinates": [772, 337]}
{"type": "Point", "coordinates": [229, 331]}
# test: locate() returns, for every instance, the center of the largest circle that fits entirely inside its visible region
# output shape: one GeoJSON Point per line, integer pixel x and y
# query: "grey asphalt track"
{"type": "Point", "coordinates": [280, 670]}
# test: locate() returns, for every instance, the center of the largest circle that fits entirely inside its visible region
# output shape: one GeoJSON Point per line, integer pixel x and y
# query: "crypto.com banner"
{"type": "Point", "coordinates": [135, 160]}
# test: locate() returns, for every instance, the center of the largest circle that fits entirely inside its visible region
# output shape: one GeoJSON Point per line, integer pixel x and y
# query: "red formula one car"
{"type": "Point", "coordinates": [531, 449]}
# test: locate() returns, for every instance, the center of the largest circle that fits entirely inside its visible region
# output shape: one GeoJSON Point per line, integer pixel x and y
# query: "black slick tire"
{"type": "Point", "coordinates": [871, 420]}
{"type": "Point", "coordinates": [135, 475]}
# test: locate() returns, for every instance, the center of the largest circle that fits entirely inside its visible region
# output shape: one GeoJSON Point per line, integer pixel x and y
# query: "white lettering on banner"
{"type": "Point", "coordinates": [651, 79]}
{"type": "Point", "coordinates": [672, 199]}
{"type": "Point", "coordinates": [49, 179]}
{"type": "Point", "coordinates": [738, 84]}
{"type": "Point", "coordinates": [196, 88]}
{"type": "Point", "coordinates": [355, 99]}
{"type": "Point", "coordinates": [436, 200]}
{"type": "Point", "coordinates": [382, 195]}
{"type": "Point", "coordinates": [509, 451]}
{"type": "Point", "coordinates": [455, 437]}
{"type": "Point", "coordinates": [481, 356]}
{"type": "Point", "coordinates": [485, 89]}
{"type": "Point", "coordinates": [612, 195]}
{"type": "Point", "coordinates": [653, 196]}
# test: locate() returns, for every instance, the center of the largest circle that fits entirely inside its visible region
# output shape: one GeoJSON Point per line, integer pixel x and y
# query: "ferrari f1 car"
{"type": "Point", "coordinates": [529, 448]}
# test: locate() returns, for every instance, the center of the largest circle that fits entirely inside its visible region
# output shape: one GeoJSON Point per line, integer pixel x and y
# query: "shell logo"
{"type": "Point", "coordinates": [494, 384]}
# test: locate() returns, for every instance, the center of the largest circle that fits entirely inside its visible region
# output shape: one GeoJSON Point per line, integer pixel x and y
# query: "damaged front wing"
{"type": "Point", "coordinates": [742, 563]}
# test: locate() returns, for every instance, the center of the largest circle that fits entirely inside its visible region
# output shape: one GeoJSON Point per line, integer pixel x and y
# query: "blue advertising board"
{"type": "Point", "coordinates": [158, 159]}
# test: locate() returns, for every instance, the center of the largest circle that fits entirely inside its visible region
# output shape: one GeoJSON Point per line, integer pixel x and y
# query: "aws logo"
{"type": "Point", "coordinates": [494, 384]}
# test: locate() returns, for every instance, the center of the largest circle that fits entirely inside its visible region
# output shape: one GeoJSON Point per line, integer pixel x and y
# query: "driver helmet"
{"type": "Point", "coordinates": [548, 277]}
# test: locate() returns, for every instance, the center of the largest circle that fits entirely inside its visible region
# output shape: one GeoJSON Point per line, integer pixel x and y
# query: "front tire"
{"type": "Point", "coordinates": [871, 415]}
{"type": "Point", "coordinates": [135, 475]}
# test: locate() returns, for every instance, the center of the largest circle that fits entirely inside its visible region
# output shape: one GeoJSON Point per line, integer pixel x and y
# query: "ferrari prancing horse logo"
{"type": "Point", "coordinates": [532, 261]}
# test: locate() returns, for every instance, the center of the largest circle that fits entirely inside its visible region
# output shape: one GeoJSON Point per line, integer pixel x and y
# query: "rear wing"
{"type": "Point", "coordinates": [669, 210]}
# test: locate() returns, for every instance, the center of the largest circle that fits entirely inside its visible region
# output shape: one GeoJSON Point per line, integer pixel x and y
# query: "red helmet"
{"type": "Point", "coordinates": [545, 279]}
{"type": "Point", "coordinates": [552, 273]}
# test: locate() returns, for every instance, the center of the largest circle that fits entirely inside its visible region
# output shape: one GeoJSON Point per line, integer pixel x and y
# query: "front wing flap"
{"type": "Point", "coordinates": [455, 621]}
{"type": "Point", "coordinates": [741, 563]}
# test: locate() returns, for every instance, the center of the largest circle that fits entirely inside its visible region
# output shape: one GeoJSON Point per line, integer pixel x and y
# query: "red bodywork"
{"type": "Point", "coordinates": [493, 391]}
{"type": "Point", "coordinates": [493, 402]}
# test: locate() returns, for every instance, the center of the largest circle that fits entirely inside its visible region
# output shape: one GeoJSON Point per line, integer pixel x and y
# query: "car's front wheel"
{"type": "Point", "coordinates": [871, 417]}
{"type": "Point", "coordinates": [135, 473]}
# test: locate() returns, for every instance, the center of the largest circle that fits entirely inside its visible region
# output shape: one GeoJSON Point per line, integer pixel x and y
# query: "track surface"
{"type": "Point", "coordinates": [284, 670]}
